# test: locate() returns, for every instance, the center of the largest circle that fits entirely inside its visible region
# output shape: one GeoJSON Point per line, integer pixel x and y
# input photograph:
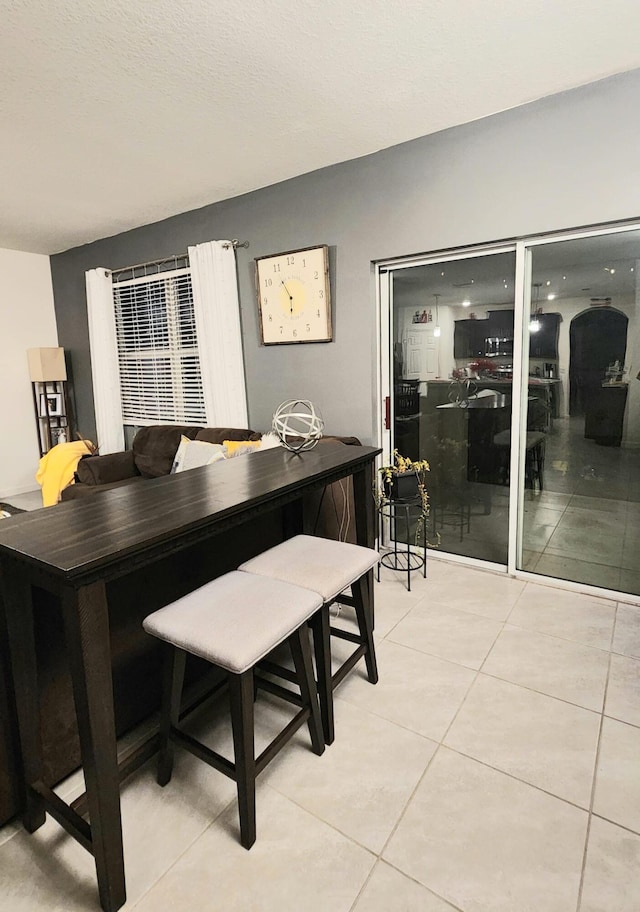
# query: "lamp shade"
{"type": "Point", "coordinates": [46, 364]}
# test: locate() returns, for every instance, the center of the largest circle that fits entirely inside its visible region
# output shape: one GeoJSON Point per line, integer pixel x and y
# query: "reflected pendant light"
{"type": "Point", "coordinates": [534, 323]}
{"type": "Point", "coordinates": [436, 328]}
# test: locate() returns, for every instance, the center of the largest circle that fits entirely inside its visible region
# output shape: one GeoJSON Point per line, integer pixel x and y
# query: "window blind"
{"type": "Point", "coordinates": [158, 358]}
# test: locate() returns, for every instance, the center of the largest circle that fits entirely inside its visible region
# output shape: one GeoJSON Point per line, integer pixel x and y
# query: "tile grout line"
{"type": "Point", "coordinates": [435, 754]}
{"type": "Point", "coordinates": [182, 854]}
{"type": "Point", "coordinates": [595, 770]}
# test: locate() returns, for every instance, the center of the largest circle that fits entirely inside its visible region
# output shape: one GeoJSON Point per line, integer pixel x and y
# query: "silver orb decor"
{"type": "Point", "coordinates": [298, 424]}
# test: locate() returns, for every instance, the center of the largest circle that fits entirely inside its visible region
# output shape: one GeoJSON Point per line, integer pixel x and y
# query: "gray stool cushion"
{"type": "Point", "coordinates": [235, 620]}
{"type": "Point", "coordinates": [321, 564]}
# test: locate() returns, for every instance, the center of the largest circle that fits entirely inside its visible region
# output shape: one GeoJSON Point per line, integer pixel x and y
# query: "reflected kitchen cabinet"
{"type": "Point", "coordinates": [544, 342]}
{"type": "Point", "coordinates": [469, 338]}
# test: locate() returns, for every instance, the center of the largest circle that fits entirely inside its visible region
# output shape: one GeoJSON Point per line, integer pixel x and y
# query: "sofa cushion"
{"type": "Point", "coordinates": [155, 447]}
{"type": "Point", "coordinates": [95, 470]}
{"type": "Point", "coordinates": [219, 435]}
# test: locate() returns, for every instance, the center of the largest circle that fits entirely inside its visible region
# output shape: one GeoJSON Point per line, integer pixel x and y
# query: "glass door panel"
{"type": "Point", "coordinates": [452, 367]}
{"type": "Point", "coordinates": [581, 495]}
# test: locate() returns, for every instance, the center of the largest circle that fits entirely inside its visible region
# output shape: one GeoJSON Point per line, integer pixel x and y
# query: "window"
{"type": "Point", "coordinates": [158, 359]}
{"type": "Point", "coordinates": [166, 344]}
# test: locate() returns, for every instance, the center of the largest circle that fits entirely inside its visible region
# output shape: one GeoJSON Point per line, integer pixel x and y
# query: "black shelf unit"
{"type": "Point", "coordinates": [51, 405]}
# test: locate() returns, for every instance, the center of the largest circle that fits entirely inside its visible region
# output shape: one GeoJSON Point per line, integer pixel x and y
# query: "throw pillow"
{"type": "Point", "coordinates": [270, 440]}
{"type": "Point", "coordinates": [238, 447]}
{"type": "Point", "coordinates": [192, 454]}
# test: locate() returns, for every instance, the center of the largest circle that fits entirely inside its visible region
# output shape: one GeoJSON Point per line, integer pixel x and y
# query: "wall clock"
{"type": "Point", "coordinates": [293, 296]}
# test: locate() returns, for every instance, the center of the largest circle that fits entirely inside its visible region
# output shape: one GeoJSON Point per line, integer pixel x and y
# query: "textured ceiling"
{"type": "Point", "coordinates": [117, 113]}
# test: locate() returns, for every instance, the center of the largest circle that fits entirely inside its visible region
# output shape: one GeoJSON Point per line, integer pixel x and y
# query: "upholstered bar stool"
{"type": "Point", "coordinates": [329, 568]}
{"type": "Point", "coordinates": [233, 622]}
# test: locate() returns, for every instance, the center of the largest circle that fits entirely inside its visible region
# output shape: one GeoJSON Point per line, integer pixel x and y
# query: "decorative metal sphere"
{"type": "Point", "coordinates": [298, 424]}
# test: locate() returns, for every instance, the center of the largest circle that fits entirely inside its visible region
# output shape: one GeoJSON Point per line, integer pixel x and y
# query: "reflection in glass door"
{"type": "Point", "coordinates": [581, 482]}
{"type": "Point", "coordinates": [453, 344]}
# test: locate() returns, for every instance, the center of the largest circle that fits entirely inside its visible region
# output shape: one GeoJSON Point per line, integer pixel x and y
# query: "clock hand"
{"type": "Point", "coordinates": [290, 295]}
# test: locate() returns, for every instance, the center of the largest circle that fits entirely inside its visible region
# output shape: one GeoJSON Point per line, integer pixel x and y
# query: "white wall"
{"type": "Point", "coordinates": [27, 320]}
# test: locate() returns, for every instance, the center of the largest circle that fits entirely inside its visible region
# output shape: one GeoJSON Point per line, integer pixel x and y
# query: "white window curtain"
{"type": "Point", "coordinates": [104, 362]}
{"type": "Point", "coordinates": [217, 312]}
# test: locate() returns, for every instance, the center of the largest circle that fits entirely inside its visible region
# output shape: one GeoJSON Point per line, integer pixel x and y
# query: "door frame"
{"type": "Point", "coordinates": [523, 247]}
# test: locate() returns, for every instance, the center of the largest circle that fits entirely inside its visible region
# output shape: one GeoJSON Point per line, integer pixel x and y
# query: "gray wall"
{"type": "Point", "coordinates": [565, 161]}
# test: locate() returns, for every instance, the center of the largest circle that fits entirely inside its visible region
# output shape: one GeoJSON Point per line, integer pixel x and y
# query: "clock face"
{"type": "Point", "coordinates": [293, 296]}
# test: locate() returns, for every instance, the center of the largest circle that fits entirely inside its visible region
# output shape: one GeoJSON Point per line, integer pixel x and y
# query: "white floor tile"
{"type": "Point", "coordinates": [612, 873]}
{"type": "Point", "coordinates": [617, 794]}
{"type": "Point", "coordinates": [488, 843]}
{"type": "Point", "coordinates": [297, 862]}
{"type": "Point", "coordinates": [364, 779]}
{"type": "Point", "coordinates": [626, 637]}
{"type": "Point", "coordinates": [558, 668]}
{"type": "Point", "coordinates": [565, 614]}
{"type": "Point", "coordinates": [491, 595]}
{"type": "Point", "coordinates": [546, 742]}
{"type": "Point", "coordinates": [448, 633]}
{"type": "Point", "coordinates": [623, 690]}
{"type": "Point", "coordinates": [419, 692]}
{"type": "Point", "coordinates": [388, 889]}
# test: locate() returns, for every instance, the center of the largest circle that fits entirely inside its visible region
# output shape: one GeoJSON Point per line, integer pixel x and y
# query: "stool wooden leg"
{"type": "Point", "coordinates": [172, 682]}
{"type": "Point", "coordinates": [241, 700]}
{"type": "Point", "coordinates": [301, 653]}
{"type": "Point", "coordinates": [322, 651]}
{"type": "Point", "coordinates": [364, 612]}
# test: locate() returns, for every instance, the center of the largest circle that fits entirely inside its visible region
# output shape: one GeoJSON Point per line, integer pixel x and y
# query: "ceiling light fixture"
{"type": "Point", "coordinates": [466, 303]}
{"type": "Point", "coordinates": [551, 297]}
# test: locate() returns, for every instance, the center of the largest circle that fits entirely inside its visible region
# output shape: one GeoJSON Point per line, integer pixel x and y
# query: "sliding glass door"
{"type": "Point", "coordinates": [581, 518]}
{"type": "Point", "coordinates": [452, 367]}
{"type": "Point", "coordinates": [514, 371]}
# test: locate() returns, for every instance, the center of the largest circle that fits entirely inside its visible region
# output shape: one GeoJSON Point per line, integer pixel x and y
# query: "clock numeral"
{"type": "Point", "coordinates": [304, 262]}
{"type": "Point", "coordinates": [276, 267]}
{"type": "Point", "coordinates": [318, 312]}
{"type": "Point", "coordinates": [308, 327]}
{"type": "Point", "coordinates": [295, 332]}
{"type": "Point", "coordinates": [268, 283]}
{"type": "Point", "coordinates": [270, 318]}
{"type": "Point", "coordinates": [321, 294]}
{"type": "Point", "coordinates": [315, 274]}
{"type": "Point", "coordinates": [290, 260]}
{"type": "Point", "coordinates": [281, 330]}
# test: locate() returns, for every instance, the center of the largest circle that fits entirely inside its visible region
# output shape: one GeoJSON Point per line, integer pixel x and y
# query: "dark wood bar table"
{"type": "Point", "coordinates": [75, 548]}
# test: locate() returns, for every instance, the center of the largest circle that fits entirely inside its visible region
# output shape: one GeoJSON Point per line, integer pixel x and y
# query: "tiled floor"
{"type": "Point", "coordinates": [494, 768]}
{"type": "Point", "coordinates": [584, 526]}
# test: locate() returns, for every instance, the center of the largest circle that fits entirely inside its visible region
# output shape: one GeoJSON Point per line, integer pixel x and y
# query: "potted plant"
{"type": "Point", "coordinates": [405, 479]}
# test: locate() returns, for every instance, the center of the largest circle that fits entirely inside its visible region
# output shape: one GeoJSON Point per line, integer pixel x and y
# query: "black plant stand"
{"type": "Point", "coordinates": [404, 560]}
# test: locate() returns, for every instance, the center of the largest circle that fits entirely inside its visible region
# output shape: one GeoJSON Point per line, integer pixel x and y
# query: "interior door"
{"type": "Point", "coordinates": [420, 352]}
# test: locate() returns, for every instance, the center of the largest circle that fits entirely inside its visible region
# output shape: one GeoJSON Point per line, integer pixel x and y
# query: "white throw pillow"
{"type": "Point", "coordinates": [191, 454]}
{"type": "Point", "coordinates": [267, 441]}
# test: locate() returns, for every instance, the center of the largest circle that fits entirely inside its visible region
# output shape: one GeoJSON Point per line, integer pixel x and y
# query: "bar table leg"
{"type": "Point", "coordinates": [86, 624]}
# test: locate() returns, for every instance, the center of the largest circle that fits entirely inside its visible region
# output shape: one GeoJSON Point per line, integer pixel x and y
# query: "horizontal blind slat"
{"type": "Point", "coordinates": [158, 358]}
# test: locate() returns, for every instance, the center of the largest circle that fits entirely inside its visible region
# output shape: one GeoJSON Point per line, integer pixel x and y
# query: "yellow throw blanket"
{"type": "Point", "coordinates": [57, 468]}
